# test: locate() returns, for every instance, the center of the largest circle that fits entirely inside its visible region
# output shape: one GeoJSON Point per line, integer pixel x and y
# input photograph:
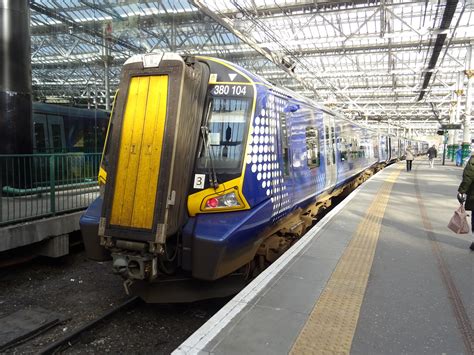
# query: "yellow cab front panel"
{"type": "Point", "coordinates": [140, 152]}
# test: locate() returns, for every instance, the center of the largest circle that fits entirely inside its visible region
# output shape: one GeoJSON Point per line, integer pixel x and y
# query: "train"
{"type": "Point", "coordinates": [65, 129]}
{"type": "Point", "coordinates": [56, 129]}
{"type": "Point", "coordinates": [210, 172]}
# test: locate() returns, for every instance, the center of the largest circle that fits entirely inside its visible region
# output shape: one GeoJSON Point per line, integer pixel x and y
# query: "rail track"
{"type": "Point", "coordinates": [69, 339]}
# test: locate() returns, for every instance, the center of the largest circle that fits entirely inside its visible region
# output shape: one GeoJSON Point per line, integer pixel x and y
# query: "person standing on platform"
{"type": "Point", "coordinates": [466, 191]}
{"type": "Point", "coordinates": [432, 153]}
{"type": "Point", "coordinates": [409, 157]}
{"type": "Point", "coordinates": [458, 155]}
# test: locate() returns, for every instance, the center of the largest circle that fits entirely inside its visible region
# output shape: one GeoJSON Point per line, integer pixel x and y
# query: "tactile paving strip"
{"type": "Point", "coordinates": [331, 325]}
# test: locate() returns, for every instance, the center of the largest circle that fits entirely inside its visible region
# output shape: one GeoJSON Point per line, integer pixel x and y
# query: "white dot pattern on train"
{"type": "Point", "coordinates": [263, 155]}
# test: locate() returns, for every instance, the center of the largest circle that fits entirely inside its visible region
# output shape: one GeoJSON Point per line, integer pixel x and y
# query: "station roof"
{"type": "Point", "coordinates": [397, 61]}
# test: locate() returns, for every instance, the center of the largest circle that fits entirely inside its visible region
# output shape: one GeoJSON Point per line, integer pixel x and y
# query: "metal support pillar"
{"type": "Point", "coordinates": [96, 101]}
{"type": "Point", "coordinates": [466, 140]}
{"type": "Point", "coordinates": [459, 92]}
{"type": "Point", "coordinates": [451, 133]}
{"type": "Point", "coordinates": [107, 58]}
{"type": "Point", "coordinates": [173, 34]}
{"type": "Point", "coordinates": [16, 126]}
{"type": "Point", "coordinates": [445, 140]}
{"type": "Point", "coordinates": [88, 96]}
{"type": "Point", "coordinates": [106, 85]}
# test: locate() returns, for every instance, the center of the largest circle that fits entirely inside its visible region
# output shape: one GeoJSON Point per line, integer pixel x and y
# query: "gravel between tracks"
{"type": "Point", "coordinates": [82, 290]}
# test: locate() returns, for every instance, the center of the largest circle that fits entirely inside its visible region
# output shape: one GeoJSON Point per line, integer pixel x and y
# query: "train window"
{"type": "Point", "coordinates": [355, 148]}
{"type": "Point", "coordinates": [347, 143]}
{"type": "Point", "coordinates": [56, 137]}
{"type": "Point", "coordinates": [364, 148]}
{"type": "Point", "coordinates": [375, 148]}
{"type": "Point", "coordinates": [90, 136]}
{"type": "Point", "coordinates": [40, 138]}
{"type": "Point", "coordinates": [328, 143]}
{"type": "Point", "coordinates": [227, 124]}
{"type": "Point", "coordinates": [284, 144]}
{"type": "Point", "coordinates": [101, 129]}
{"type": "Point", "coordinates": [333, 142]}
{"type": "Point", "coordinates": [343, 147]}
{"type": "Point", "coordinates": [312, 147]}
{"type": "Point", "coordinates": [75, 133]}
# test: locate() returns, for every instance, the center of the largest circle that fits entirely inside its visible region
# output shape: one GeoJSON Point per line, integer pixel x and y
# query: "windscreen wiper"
{"type": "Point", "coordinates": [205, 137]}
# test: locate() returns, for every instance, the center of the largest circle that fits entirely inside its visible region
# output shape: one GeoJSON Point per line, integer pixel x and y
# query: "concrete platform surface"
{"type": "Point", "coordinates": [380, 274]}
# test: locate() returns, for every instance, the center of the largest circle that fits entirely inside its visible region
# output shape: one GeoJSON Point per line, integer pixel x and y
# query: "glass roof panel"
{"type": "Point", "coordinates": [348, 48]}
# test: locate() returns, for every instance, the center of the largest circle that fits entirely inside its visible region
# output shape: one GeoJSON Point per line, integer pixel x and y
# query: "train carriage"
{"type": "Point", "coordinates": [60, 129]}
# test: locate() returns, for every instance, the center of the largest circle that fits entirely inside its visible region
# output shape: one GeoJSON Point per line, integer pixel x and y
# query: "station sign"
{"type": "Point", "coordinates": [451, 126]}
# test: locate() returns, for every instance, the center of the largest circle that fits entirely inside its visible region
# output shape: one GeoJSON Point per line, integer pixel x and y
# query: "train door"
{"type": "Point", "coordinates": [285, 193]}
{"type": "Point", "coordinates": [329, 145]}
{"type": "Point", "coordinates": [56, 133]}
{"type": "Point", "coordinates": [384, 148]}
{"type": "Point", "coordinates": [402, 148]}
{"type": "Point", "coordinates": [40, 134]}
{"type": "Point", "coordinates": [139, 156]}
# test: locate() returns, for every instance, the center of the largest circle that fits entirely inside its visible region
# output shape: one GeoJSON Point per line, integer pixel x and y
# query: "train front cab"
{"type": "Point", "coordinates": [143, 215]}
{"type": "Point", "coordinates": [225, 206]}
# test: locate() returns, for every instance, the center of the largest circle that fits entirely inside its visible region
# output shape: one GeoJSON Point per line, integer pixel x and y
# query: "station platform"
{"type": "Point", "coordinates": [380, 274]}
{"type": "Point", "coordinates": [30, 221]}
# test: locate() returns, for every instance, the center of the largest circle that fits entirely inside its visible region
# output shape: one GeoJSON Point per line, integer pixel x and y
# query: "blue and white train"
{"type": "Point", "coordinates": [211, 172]}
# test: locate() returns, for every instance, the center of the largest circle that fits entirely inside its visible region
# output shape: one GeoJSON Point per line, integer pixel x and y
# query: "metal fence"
{"type": "Point", "coordinates": [40, 185]}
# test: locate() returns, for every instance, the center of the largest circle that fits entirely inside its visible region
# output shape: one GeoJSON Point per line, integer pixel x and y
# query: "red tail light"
{"type": "Point", "coordinates": [212, 203]}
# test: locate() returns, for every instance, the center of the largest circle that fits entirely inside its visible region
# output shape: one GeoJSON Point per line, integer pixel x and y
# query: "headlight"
{"type": "Point", "coordinates": [223, 201]}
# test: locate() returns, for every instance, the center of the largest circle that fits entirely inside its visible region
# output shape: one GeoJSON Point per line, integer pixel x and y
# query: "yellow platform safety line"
{"type": "Point", "coordinates": [140, 152]}
{"type": "Point", "coordinates": [332, 323]}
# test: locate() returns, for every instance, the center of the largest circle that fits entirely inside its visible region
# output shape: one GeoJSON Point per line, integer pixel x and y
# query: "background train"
{"type": "Point", "coordinates": [210, 173]}
{"type": "Point", "coordinates": [63, 129]}
{"type": "Point", "coordinates": [56, 129]}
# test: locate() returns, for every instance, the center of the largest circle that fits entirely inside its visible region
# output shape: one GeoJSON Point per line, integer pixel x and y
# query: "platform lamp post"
{"type": "Point", "coordinates": [445, 140]}
{"type": "Point", "coordinates": [469, 72]}
{"type": "Point", "coordinates": [107, 58]}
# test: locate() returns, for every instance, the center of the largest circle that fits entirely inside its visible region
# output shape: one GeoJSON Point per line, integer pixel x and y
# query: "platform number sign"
{"type": "Point", "coordinates": [199, 180]}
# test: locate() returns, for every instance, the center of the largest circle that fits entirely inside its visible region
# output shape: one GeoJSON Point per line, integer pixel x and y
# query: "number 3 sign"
{"type": "Point", "coordinates": [199, 180]}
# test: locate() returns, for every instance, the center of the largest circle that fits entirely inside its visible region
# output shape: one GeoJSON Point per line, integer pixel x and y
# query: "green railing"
{"type": "Point", "coordinates": [40, 185]}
